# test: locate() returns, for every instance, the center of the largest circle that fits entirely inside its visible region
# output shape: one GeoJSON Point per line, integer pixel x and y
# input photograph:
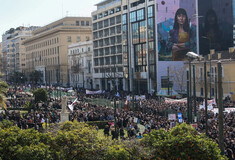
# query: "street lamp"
{"type": "Point", "coordinates": [115, 103]}
{"type": "Point", "coordinates": [191, 57]}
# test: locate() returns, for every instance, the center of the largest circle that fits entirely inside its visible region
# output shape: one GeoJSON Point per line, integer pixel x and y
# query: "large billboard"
{"type": "Point", "coordinates": [176, 29]}
{"type": "Point", "coordinates": [215, 25]}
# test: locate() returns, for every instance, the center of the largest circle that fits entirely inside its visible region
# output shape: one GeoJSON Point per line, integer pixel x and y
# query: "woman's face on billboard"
{"type": "Point", "coordinates": [181, 19]}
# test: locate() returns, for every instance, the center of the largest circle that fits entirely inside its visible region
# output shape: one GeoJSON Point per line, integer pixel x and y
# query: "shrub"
{"type": "Point", "coordinates": [182, 142]}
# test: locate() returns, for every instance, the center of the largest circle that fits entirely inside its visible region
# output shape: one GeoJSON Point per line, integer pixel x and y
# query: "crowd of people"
{"type": "Point", "coordinates": [151, 112]}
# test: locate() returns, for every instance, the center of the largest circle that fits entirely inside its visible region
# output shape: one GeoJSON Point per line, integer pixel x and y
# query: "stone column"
{"type": "Point", "coordinates": [64, 115]}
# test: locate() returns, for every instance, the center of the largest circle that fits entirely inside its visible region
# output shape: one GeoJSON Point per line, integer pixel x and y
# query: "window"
{"type": "Point", "coordinates": [118, 29]}
{"type": "Point", "coordinates": [134, 4]}
{"type": "Point", "coordinates": [87, 38]}
{"type": "Point", "coordinates": [77, 23]}
{"type": "Point", "coordinates": [111, 11]}
{"type": "Point", "coordinates": [119, 39]}
{"type": "Point", "coordinates": [89, 66]}
{"type": "Point", "coordinates": [101, 34]}
{"type": "Point", "coordinates": [106, 23]}
{"type": "Point", "coordinates": [102, 61]}
{"type": "Point", "coordinates": [95, 17]}
{"type": "Point", "coordinates": [96, 52]}
{"type": "Point", "coordinates": [201, 91]}
{"type": "Point", "coordinates": [141, 1]}
{"type": "Point", "coordinates": [125, 7]}
{"type": "Point", "coordinates": [151, 29]}
{"type": "Point", "coordinates": [142, 32]}
{"type": "Point", "coordinates": [100, 15]}
{"type": "Point", "coordinates": [118, 19]}
{"type": "Point", "coordinates": [78, 39]}
{"type": "Point", "coordinates": [82, 23]}
{"type": "Point", "coordinates": [118, 9]}
{"type": "Point", "coordinates": [94, 26]}
{"type": "Point", "coordinates": [106, 50]}
{"type": "Point", "coordinates": [89, 49]}
{"type": "Point", "coordinates": [119, 59]}
{"type": "Point", "coordinates": [124, 20]}
{"type": "Point", "coordinates": [69, 38]}
{"type": "Point", "coordinates": [133, 16]}
{"type": "Point", "coordinates": [96, 62]}
{"type": "Point", "coordinates": [106, 13]}
{"type": "Point", "coordinates": [112, 30]}
{"type": "Point", "coordinates": [150, 11]}
{"type": "Point", "coordinates": [113, 50]}
{"type": "Point", "coordinates": [140, 14]}
{"type": "Point", "coordinates": [87, 23]}
{"type": "Point", "coordinates": [201, 74]}
{"type": "Point", "coordinates": [113, 60]}
{"type": "Point", "coordinates": [107, 60]}
{"type": "Point", "coordinates": [112, 40]}
{"type": "Point", "coordinates": [212, 92]}
{"type": "Point", "coordinates": [112, 21]}
{"type": "Point", "coordinates": [135, 33]}
{"type": "Point", "coordinates": [100, 25]}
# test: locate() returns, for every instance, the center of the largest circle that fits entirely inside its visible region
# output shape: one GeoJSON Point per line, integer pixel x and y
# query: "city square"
{"type": "Point", "coordinates": [132, 79]}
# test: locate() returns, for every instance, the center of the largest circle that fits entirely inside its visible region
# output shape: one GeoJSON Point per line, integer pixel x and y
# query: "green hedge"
{"type": "Point", "coordinates": [100, 124]}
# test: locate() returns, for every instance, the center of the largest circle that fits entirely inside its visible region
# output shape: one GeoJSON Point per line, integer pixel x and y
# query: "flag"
{"type": "Point", "coordinates": [71, 106]}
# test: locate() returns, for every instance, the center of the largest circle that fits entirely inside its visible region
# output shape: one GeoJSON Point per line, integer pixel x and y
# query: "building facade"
{"type": "Point", "coordinates": [141, 61]}
{"type": "Point", "coordinates": [13, 50]}
{"type": "Point", "coordinates": [47, 49]}
{"type": "Point", "coordinates": [122, 45]}
{"type": "Point", "coordinates": [80, 57]}
{"type": "Point", "coordinates": [227, 59]}
{"type": "Point", "coordinates": [107, 45]}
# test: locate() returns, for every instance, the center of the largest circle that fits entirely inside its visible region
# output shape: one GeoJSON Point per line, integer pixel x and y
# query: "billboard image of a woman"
{"type": "Point", "coordinates": [181, 37]}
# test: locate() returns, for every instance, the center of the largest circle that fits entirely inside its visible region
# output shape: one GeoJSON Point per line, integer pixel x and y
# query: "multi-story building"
{"type": "Point", "coordinates": [120, 44]}
{"type": "Point", "coordinates": [80, 64]}
{"type": "Point", "coordinates": [13, 50]}
{"type": "Point", "coordinates": [141, 60]}
{"type": "Point", "coordinates": [47, 49]}
{"type": "Point", "coordinates": [227, 59]}
{"type": "Point", "coordinates": [1, 59]}
{"type": "Point", "coordinates": [107, 45]}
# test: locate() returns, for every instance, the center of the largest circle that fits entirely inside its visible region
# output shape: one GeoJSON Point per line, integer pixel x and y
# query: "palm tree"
{"type": "Point", "coordinates": [3, 90]}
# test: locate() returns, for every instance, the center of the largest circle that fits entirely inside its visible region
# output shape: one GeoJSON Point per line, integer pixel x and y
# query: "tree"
{"type": "Point", "coordinates": [182, 142]}
{"type": "Point", "coordinates": [3, 89]}
{"type": "Point", "coordinates": [40, 95]}
{"type": "Point", "coordinates": [18, 77]}
{"type": "Point", "coordinates": [36, 76]}
{"type": "Point", "coordinates": [179, 76]}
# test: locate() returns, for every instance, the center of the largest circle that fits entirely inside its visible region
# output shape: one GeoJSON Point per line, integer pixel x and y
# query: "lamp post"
{"type": "Point", "coordinates": [191, 56]}
{"type": "Point", "coordinates": [194, 95]}
{"type": "Point", "coordinates": [115, 103]}
{"type": "Point", "coordinates": [205, 84]}
{"type": "Point", "coordinates": [220, 102]}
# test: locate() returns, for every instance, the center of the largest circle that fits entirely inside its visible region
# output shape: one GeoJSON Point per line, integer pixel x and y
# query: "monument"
{"type": "Point", "coordinates": [64, 115]}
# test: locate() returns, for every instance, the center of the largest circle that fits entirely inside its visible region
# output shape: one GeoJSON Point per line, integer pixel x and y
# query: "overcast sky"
{"type": "Point", "coordinates": [14, 13]}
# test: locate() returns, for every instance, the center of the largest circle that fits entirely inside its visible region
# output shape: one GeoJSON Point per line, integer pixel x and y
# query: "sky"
{"type": "Point", "coordinates": [15, 13]}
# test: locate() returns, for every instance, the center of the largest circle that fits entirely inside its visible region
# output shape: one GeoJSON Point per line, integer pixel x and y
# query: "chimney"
{"type": "Point", "coordinates": [219, 55]}
{"type": "Point", "coordinates": [200, 57]}
{"type": "Point", "coordinates": [212, 51]}
{"type": "Point", "coordinates": [209, 56]}
{"type": "Point", "coordinates": [230, 49]}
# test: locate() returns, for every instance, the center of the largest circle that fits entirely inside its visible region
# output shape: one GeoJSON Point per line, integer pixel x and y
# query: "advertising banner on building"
{"type": "Point", "coordinates": [215, 25]}
{"type": "Point", "coordinates": [176, 29]}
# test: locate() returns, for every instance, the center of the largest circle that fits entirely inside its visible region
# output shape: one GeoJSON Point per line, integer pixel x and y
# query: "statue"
{"type": "Point", "coordinates": [64, 115]}
{"type": "Point", "coordinates": [64, 104]}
